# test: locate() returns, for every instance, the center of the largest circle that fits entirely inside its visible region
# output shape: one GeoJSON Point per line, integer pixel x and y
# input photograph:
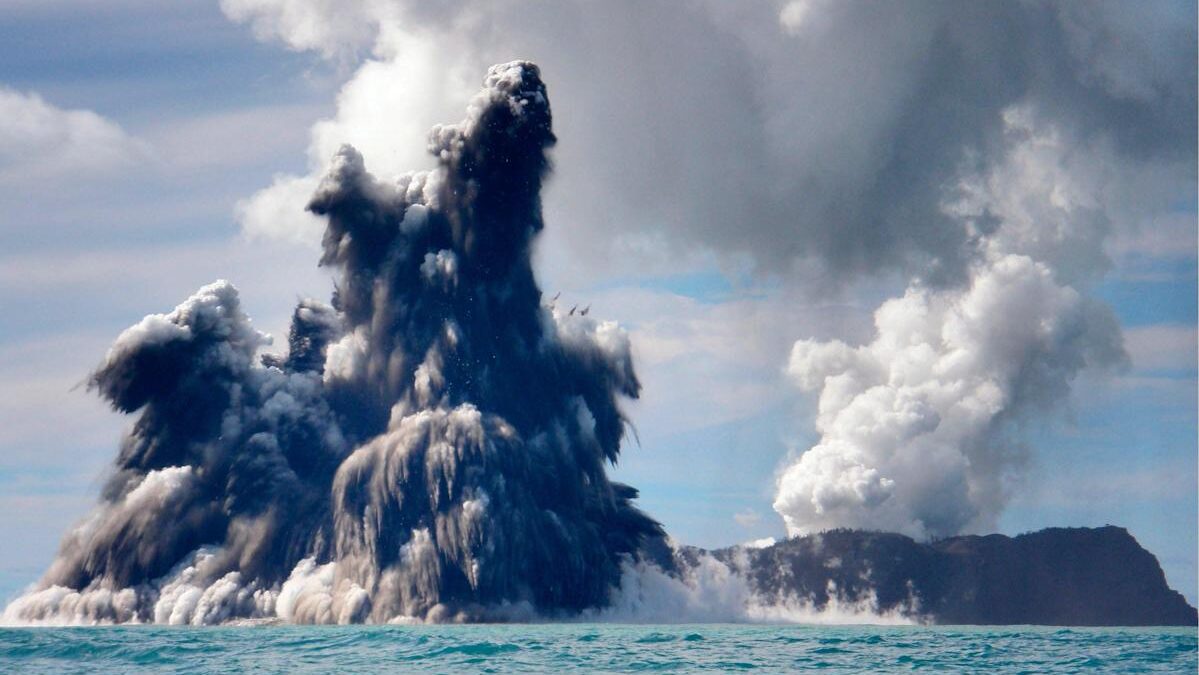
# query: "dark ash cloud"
{"type": "Point", "coordinates": [433, 445]}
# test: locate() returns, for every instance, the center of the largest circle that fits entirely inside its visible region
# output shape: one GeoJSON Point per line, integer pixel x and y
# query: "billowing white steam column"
{"type": "Point", "coordinates": [920, 427]}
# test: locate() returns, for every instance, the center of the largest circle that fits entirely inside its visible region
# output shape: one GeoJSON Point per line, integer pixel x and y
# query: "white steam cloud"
{"type": "Point", "coordinates": [807, 134]}
{"type": "Point", "coordinates": [920, 428]}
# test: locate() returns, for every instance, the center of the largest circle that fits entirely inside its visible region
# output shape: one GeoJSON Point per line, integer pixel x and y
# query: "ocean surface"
{"type": "Point", "coordinates": [597, 648]}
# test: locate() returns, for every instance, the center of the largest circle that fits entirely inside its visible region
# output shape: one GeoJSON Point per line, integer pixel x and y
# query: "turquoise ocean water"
{"type": "Point", "coordinates": [596, 648]}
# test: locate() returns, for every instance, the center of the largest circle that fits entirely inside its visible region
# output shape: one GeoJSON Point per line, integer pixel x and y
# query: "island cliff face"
{"type": "Point", "coordinates": [1058, 576]}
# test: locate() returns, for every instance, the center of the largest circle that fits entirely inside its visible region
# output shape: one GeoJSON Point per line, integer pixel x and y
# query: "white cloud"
{"type": "Point", "coordinates": [327, 26]}
{"type": "Point", "coordinates": [39, 141]}
{"type": "Point", "coordinates": [277, 212]}
{"type": "Point", "coordinates": [388, 107]}
{"type": "Point", "coordinates": [829, 149]}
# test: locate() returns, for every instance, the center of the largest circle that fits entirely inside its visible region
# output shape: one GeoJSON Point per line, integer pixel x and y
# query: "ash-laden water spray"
{"type": "Point", "coordinates": [431, 447]}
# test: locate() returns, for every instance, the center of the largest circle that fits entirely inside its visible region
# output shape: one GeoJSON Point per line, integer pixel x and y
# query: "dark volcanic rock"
{"type": "Point", "coordinates": [1058, 576]}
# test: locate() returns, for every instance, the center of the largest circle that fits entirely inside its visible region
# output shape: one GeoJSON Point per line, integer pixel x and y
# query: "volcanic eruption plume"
{"type": "Point", "coordinates": [432, 446]}
{"type": "Point", "coordinates": [924, 428]}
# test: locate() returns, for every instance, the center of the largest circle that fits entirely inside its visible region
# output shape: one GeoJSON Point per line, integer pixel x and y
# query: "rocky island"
{"type": "Point", "coordinates": [1057, 576]}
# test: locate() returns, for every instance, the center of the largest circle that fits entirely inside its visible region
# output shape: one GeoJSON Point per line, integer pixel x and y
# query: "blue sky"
{"type": "Point", "coordinates": [202, 114]}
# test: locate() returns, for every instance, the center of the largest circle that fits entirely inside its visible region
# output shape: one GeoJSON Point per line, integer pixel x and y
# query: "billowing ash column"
{"type": "Point", "coordinates": [489, 422]}
{"type": "Point", "coordinates": [433, 446]}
